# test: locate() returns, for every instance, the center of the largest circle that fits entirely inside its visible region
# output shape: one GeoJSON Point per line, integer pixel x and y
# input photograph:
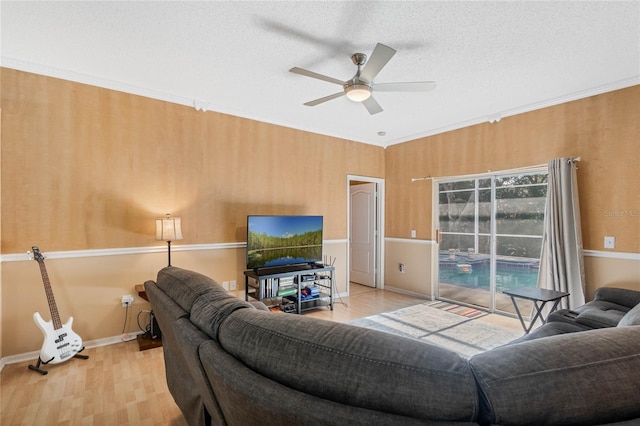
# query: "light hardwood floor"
{"type": "Point", "coordinates": [117, 385]}
{"type": "Point", "coordinates": [362, 302]}
{"type": "Point", "coordinates": [120, 385]}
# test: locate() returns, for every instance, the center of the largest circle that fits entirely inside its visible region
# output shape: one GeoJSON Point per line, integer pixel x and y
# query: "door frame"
{"type": "Point", "coordinates": [435, 221]}
{"type": "Point", "coordinates": [379, 263]}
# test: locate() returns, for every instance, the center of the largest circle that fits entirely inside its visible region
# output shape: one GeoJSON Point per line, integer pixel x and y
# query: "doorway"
{"type": "Point", "coordinates": [365, 230]}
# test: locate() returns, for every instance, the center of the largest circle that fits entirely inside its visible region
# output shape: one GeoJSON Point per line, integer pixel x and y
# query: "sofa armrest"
{"type": "Point", "coordinates": [591, 377]}
{"type": "Point", "coordinates": [631, 318]}
{"type": "Point", "coordinates": [620, 296]}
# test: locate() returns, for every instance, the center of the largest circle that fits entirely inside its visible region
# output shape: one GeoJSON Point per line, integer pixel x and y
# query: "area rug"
{"type": "Point", "coordinates": [465, 311]}
{"type": "Point", "coordinates": [466, 336]}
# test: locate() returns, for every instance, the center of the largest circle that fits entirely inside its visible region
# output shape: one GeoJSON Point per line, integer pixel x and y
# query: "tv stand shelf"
{"type": "Point", "coordinates": [295, 288]}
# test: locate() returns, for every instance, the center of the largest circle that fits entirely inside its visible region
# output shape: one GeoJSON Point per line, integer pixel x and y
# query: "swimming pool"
{"type": "Point", "coordinates": [473, 272]}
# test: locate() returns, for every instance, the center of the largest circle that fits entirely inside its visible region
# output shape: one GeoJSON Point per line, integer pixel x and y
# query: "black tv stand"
{"type": "Point", "coordinates": [295, 288]}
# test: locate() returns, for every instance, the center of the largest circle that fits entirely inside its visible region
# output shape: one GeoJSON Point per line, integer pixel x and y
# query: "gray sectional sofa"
{"type": "Point", "coordinates": [229, 362]}
{"type": "Point", "coordinates": [609, 308]}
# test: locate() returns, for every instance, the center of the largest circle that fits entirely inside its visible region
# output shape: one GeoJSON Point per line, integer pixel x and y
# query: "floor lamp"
{"type": "Point", "coordinates": [168, 229]}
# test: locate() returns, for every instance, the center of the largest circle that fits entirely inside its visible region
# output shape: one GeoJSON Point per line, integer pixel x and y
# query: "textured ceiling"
{"type": "Point", "coordinates": [489, 59]}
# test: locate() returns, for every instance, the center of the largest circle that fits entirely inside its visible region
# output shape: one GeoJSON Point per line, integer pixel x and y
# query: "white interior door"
{"type": "Point", "coordinates": [362, 240]}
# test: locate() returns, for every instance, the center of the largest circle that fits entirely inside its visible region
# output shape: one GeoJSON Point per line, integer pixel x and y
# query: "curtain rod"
{"type": "Point", "coordinates": [516, 170]}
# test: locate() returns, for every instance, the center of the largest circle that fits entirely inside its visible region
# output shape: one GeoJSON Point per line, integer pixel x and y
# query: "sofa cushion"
{"type": "Point", "coordinates": [249, 398]}
{"type": "Point", "coordinates": [599, 317]}
{"type": "Point", "coordinates": [591, 377]}
{"type": "Point", "coordinates": [183, 286]}
{"type": "Point", "coordinates": [606, 310]}
{"type": "Point", "coordinates": [340, 362]}
{"type": "Point", "coordinates": [631, 318]}
{"type": "Point", "coordinates": [619, 296]}
{"type": "Point", "coordinates": [549, 329]}
{"type": "Point", "coordinates": [206, 301]}
{"type": "Point", "coordinates": [209, 310]}
{"type": "Point", "coordinates": [566, 316]}
{"type": "Point", "coordinates": [602, 305]}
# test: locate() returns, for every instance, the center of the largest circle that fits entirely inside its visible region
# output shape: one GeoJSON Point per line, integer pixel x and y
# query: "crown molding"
{"type": "Point", "coordinates": [497, 116]}
{"type": "Point", "coordinates": [207, 105]}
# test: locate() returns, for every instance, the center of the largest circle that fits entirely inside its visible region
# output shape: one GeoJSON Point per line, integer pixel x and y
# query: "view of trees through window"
{"type": "Point", "coordinates": [491, 231]}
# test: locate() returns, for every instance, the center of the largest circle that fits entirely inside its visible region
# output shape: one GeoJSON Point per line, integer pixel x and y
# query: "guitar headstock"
{"type": "Point", "coordinates": [36, 255]}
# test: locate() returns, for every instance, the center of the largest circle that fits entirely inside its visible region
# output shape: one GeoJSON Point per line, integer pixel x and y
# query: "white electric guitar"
{"type": "Point", "coordinates": [60, 342]}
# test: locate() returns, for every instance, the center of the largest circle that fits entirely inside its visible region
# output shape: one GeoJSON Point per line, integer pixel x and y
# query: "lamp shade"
{"type": "Point", "coordinates": [168, 229]}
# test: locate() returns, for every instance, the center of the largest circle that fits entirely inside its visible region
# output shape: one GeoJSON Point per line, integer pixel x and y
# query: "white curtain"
{"type": "Point", "coordinates": [562, 262]}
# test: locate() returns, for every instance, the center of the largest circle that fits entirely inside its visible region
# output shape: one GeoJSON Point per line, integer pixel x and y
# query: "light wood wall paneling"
{"type": "Point", "coordinates": [86, 167]}
{"type": "Point", "coordinates": [603, 130]}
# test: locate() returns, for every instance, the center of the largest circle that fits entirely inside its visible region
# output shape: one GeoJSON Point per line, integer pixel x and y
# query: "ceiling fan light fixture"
{"type": "Point", "coordinates": [358, 92]}
{"type": "Point", "coordinates": [360, 87]}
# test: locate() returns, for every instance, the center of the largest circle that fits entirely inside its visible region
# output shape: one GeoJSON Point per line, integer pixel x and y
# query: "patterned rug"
{"type": "Point", "coordinates": [424, 322]}
{"type": "Point", "coordinates": [465, 311]}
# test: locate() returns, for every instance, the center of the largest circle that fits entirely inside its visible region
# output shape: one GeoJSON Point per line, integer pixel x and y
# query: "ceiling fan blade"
{"type": "Point", "coordinates": [325, 99]}
{"type": "Point", "coordinates": [312, 74]}
{"type": "Point", "coordinates": [415, 86]}
{"type": "Point", "coordinates": [379, 57]}
{"type": "Point", "coordinates": [372, 105]}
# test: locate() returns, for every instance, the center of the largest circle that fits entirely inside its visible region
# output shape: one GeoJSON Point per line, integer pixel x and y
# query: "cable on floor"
{"type": "Point", "coordinates": [126, 337]}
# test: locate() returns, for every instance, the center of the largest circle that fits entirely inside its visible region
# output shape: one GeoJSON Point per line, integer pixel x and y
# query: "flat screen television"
{"type": "Point", "coordinates": [283, 240]}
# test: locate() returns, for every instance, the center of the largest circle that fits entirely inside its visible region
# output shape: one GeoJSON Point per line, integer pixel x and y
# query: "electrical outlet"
{"type": "Point", "coordinates": [233, 286]}
{"type": "Point", "coordinates": [127, 300]}
{"type": "Point", "coordinates": [609, 242]}
{"type": "Point", "coordinates": [401, 267]}
{"type": "Point", "coordinates": [225, 285]}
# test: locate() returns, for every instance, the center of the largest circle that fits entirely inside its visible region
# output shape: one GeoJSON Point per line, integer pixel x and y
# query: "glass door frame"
{"type": "Point", "coordinates": [493, 236]}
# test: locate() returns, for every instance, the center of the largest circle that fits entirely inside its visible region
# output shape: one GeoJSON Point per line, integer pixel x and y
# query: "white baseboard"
{"type": "Point", "coordinates": [409, 293]}
{"type": "Point", "coordinates": [28, 356]}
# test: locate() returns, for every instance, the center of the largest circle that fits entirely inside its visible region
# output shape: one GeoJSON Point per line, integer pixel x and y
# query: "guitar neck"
{"type": "Point", "coordinates": [55, 317]}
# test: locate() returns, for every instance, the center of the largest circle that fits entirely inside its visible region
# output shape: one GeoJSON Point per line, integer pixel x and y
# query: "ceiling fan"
{"type": "Point", "coordinates": [361, 86]}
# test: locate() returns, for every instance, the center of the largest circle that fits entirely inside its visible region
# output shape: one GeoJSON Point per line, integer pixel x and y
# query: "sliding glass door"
{"type": "Point", "coordinates": [490, 237]}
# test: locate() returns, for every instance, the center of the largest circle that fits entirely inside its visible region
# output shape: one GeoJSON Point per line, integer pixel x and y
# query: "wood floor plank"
{"type": "Point", "coordinates": [118, 384]}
